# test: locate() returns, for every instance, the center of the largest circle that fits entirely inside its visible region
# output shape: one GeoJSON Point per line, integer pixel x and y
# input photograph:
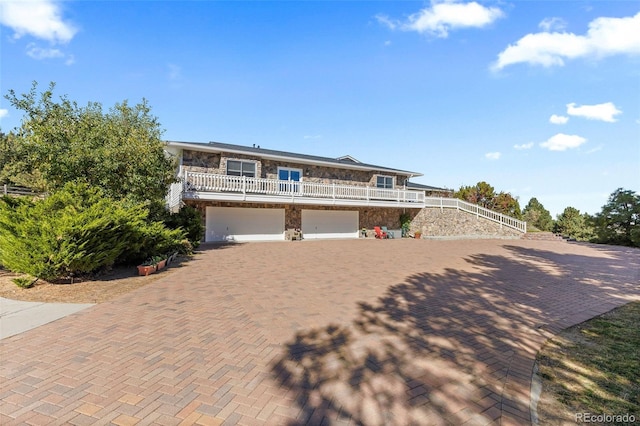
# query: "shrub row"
{"type": "Point", "coordinates": [77, 230]}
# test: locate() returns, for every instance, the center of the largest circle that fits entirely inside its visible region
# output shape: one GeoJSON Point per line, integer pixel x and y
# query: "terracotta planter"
{"type": "Point", "coordinates": [146, 269]}
{"type": "Point", "coordinates": [161, 264]}
{"type": "Point", "coordinates": [418, 235]}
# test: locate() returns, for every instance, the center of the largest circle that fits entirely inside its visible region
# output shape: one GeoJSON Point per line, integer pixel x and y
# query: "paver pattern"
{"type": "Point", "coordinates": [318, 332]}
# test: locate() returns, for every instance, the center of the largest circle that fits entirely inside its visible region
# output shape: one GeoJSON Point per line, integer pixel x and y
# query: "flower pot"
{"type": "Point", "coordinates": [146, 269]}
{"type": "Point", "coordinates": [418, 235]}
{"type": "Point", "coordinates": [161, 264]}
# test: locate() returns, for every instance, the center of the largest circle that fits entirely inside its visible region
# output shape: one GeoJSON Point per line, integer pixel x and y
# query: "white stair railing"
{"type": "Point", "coordinates": [502, 219]}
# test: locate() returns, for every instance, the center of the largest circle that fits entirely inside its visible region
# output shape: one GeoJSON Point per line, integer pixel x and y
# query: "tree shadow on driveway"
{"type": "Point", "coordinates": [450, 348]}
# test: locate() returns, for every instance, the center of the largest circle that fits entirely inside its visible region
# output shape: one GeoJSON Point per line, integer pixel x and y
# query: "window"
{"type": "Point", "coordinates": [385, 182]}
{"type": "Point", "coordinates": [241, 168]}
{"type": "Point", "coordinates": [291, 175]}
{"type": "Point", "coordinates": [285, 173]}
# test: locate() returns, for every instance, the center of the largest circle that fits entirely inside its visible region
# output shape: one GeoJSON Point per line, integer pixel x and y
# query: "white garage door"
{"type": "Point", "coordinates": [329, 224]}
{"type": "Point", "coordinates": [244, 224]}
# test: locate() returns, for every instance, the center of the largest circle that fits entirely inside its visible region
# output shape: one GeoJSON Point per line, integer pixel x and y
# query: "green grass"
{"type": "Point", "coordinates": [594, 367]}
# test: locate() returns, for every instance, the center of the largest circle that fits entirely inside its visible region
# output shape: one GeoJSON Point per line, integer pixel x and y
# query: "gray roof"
{"type": "Point", "coordinates": [414, 185]}
{"type": "Point", "coordinates": [342, 162]}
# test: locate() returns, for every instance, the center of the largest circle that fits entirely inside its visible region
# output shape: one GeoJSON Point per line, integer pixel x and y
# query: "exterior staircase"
{"type": "Point", "coordinates": [542, 236]}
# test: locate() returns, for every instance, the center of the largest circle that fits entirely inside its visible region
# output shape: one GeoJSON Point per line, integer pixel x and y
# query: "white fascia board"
{"type": "Point", "coordinates": [204, 148]}
{"type": "Point", "coordinates": [277, 199]}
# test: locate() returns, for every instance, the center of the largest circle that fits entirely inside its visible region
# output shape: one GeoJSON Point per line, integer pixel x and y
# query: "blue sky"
{"type": "Point", "coordinates": [538, 98]}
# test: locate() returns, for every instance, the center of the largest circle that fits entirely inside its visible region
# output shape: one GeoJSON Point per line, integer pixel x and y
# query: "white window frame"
{"type": "Point", "coordinates": [294, 169]}
{"type": "Point", "coordinates": [242, 162]}
{"type": "Point", "coordinates": [386, 179]}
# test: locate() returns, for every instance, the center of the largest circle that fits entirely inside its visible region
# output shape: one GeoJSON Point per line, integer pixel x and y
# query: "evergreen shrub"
{"type": "Point", "coordinates": [77, 230]}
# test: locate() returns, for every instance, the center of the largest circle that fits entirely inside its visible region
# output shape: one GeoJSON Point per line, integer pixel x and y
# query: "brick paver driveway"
{"type": "Point", "coordinates": [334, 332]}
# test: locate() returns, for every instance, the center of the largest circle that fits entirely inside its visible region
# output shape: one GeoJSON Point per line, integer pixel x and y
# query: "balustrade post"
{"type": "Point", "coordinates": [333, 185]}
{"type": "Point", "coordinates": [244, 184]}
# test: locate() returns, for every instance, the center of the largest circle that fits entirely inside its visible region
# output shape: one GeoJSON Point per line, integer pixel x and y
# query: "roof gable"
{"type": "Point", "coordinates": [348, 158]}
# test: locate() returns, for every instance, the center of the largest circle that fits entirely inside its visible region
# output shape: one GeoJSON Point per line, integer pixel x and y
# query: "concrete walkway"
{"type": "Point", "coordinates": [327, 332]}
{"type": "Point", "coordinates": [17, 317]}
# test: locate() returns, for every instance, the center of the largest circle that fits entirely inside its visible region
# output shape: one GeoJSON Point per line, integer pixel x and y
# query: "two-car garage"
{"type": "Point", "coordinates": [268, 224]}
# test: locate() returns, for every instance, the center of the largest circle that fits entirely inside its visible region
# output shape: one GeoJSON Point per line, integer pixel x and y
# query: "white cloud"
{"type": "Point", "coordinates": [562, 142]}
{"type": "Point", "coordinates": [558, 119]}
{"type": "Point", "coordinates": [605, 37]}
{"type": "Point", "coordinates": [387, 43]}
{"type": "Point", "coordinates": [444, 16]}
{"type": "Point", "coordinates": [602, 112]}
{"type": "Point", "coordinates": [596, 149]}
{"type": "Point", "coordinates": [387, 22]}
{"type": "Point", "coordinates": [36, 52]}
{"type": "Point", "coordinates": [3, 112]}
{"type": "Point", "coordinates": [492, 155]}
{"type": "Point", "coordinates": [39, 53]}
{"type": "Point", "coordinates": [552, 24]}
{"type": "Point", "coordinates": [39, 18]}
{"type": "Point", "coordinates": [524, 146]}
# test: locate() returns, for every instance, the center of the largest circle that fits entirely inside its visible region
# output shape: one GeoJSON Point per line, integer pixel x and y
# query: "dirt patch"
{"type": "Point", "coordinates": [97, 290]}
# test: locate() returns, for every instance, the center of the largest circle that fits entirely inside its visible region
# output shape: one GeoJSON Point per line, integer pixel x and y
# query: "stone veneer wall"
{"type": "Point", "coordinates": [434, 222]}
{"type": "Point", "coordinates": [203, 162]}
{"type": "Point", "coordinates": [368, 216]}
{"type": "Point", "coordinates": [207, 162]}
{"type": "Point", "coordinates": [325, 174]}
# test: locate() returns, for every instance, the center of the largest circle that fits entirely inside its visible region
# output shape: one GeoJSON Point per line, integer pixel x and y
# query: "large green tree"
{"type": "Point", "coordinates": [535, 214]}
{"type": "Point", "coordinates": [571, 223]}
{"type": "Point", "coordinates": [481, 193]}
{"type": "Point", "coordinates": [619, 220]}
{"type": "Point", "coordinates": [15, 164]}
{"type": "Point", "coordinates": [506, 204]}
{"type": "Point", "coordinates": [485, 196]}
{"type": "Point", "coordinates": [120, 150]}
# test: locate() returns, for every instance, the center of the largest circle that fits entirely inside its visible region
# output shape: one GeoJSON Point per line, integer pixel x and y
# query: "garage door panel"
{"type": "Point", "coordinates": [329, 224]}
{"type": "Point", "coordinates": [244, 224]}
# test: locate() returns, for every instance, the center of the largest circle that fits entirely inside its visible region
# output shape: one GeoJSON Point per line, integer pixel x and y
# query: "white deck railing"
{"type": "Point", "coordinates": [207, 182]}
{"type": "Point", "coordinates": [214, 183]}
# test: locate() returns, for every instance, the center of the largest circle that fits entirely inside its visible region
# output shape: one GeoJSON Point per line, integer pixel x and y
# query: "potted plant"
{"type": "Point", "coordinates": [405, 224]}
{"type": "Point", "coordinates": [160, 262]}
{"type": "Point", "coordinates": [148, 267]}
{"type": "Point", "coordinates": [417, 235]}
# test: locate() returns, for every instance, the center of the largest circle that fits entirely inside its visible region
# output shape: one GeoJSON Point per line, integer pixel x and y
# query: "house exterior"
{"type": "Point", "coordinates": [252, 193]}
